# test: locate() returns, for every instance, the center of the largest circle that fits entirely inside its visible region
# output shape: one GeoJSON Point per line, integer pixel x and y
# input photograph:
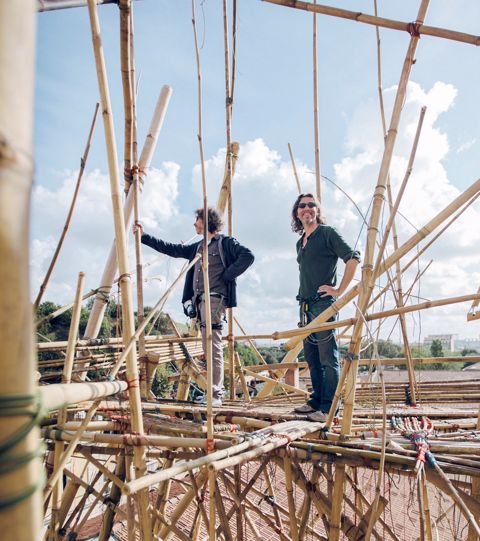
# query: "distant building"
{"type": "Point", "coordinates": [467, 343]}
{"type": "Point", "coordinates": [447, 340]}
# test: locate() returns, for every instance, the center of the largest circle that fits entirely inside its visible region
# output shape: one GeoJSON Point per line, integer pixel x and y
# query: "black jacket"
{"type": "Point", "coordinates": [236, 260]}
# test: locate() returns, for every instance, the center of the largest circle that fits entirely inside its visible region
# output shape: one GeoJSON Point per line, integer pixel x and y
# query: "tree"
{"type": "Point", "coordinates": [436, 348]}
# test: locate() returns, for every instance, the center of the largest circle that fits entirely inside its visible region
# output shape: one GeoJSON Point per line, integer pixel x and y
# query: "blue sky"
{"type": "Point", "coordinates": [273, 106]}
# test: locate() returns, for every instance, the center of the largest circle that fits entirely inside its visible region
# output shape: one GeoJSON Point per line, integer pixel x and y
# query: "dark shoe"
{"type": "Point", "coordinates": [317, 417]}
{"type": "Point", "coordinates": [304, 408]}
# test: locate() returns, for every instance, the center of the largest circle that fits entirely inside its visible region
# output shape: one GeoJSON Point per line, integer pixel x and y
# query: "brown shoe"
{"type": "Point", "coordinates": [304, 408]}
{"type": "Point", "coordinates": [317, 416]}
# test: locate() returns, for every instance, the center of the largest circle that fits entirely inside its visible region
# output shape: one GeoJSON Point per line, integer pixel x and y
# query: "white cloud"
{"type": "Point", "coordinates": [264, 190]}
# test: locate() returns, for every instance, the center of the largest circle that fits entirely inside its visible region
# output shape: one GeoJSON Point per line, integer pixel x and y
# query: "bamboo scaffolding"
{"type": "Point", "coordinates": [21, 476]}
{"type": "Point", "coordinates": [83, 161]}
{"type": "Point", "coordinates": [415, 27]}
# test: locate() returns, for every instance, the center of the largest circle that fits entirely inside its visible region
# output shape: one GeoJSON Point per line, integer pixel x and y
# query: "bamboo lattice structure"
{"type": "Point", "coordinates": [120, 463]}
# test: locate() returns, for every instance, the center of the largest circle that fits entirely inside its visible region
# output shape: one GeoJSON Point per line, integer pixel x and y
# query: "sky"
{"type": "Point", "coordinates": [273, 106]}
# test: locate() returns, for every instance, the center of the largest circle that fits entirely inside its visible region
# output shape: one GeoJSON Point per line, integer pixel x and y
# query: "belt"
{"type": "Point", "coordinates": [212, 294]}
{"type": "Point", "coordinates": [310, 300]}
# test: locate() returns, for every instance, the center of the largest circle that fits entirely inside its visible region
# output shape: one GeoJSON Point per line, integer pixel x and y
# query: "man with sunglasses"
{"type": "Point", "coordinates": [227, 259]}
{"type": "Point", "coordinates": [318, 251]}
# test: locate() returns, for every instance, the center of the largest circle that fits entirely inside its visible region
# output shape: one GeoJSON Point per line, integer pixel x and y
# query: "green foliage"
{"type": "Point", "coordinates": [466, 352]}
{"type": "Point", "coordinates": [161, 386]}
{"type": "Point", "coordinates": [246, 354]}
{"type": "Point", "coordinates": [272, 354]}
{"type": "Point", "coordinates": [436, 348]}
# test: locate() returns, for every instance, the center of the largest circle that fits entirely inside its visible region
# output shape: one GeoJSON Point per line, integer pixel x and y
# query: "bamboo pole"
{"type": "Point", "coordinates": [62, 414]}
{"type": "Point", "coordinates": [391, 225]}
{"type": "Point", "coordinates": [61, 395]}
{"type": "Point", "coordinates": [294, 167]}
{"type": "Point", "coordinates": [98, 309]}
{"type": "Point", "coordinates": [52, 5]}
{"type": "Point", "coordinates": [381, 22]}
{"type": "Point", "coordinates": [315, 109]}
{"type": "Point", "coordinates": [125, 283]}
{"type": "Point", "coordinates": [83, 161]}
{"type": "Point", "coordinates": [20, 484]}
{"type": "Point", "coordinates": [368, 273]}
{"type": "Point", "coordinates": [206, 283]}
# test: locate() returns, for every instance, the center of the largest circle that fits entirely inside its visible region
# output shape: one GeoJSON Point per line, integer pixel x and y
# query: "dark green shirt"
{"type": "Point", "coordinates": [317, 261]}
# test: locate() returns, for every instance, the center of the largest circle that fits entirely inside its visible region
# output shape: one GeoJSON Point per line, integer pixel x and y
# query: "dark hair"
{"type": "Point", "coordinates": [215, 222]}
{"type": "Point", "coordinates": [297, 225]}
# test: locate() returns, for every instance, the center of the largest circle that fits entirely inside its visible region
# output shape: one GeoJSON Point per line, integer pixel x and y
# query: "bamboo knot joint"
{"type": "Point", "coordinates": [414, 29]}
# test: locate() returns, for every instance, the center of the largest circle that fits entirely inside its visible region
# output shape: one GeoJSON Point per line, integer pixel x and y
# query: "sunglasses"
{"type": "Point", "coordinates": [310, 205]}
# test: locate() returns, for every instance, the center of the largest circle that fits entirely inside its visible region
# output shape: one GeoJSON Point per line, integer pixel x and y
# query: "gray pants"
{"type": "Point", "coordinates": [218, 313]}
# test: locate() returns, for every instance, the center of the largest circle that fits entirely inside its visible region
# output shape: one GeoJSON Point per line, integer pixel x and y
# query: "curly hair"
{"type": "Point", "coordinates": [215, 222]}
{"type": "Point", "coordinates": [297, 226]}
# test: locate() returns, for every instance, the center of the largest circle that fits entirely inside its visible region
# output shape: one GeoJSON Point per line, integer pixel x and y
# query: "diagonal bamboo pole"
{"type": "Point", "coordinates": [83, 161]}
{"type": "Point", "coordinates": [414, 27]}
{"type": "Point", "coordinates": [98, 309]}
{"type": "Point", "coordinates": [294, 167]}
{"type": "Point", "coordinates": [125, 283]}
{"type": "Point", "coordinates": [368, 273]}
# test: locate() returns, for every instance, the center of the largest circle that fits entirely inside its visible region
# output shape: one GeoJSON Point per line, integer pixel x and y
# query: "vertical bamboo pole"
{"type": "Point", "coordinates": [315, 108]}
{"type": "Point", "coordinates": [472, 534]}
{"type": "Point", "coordinates": [368, 277]}
{"type": "Point", "coordinates": [125, 283]}
{"type": "Point", "coordinates": [228, 122]}
{"type": "Point", "coordinates": [292, 512]}
{"type": "Point", "coordinates": [19, 488]}
{"type": "Point", "coordinates": [83, 162]}
{"type": "Point", "coordinates": [62, 414]}
{"type": "Point", "coordinates": [206, 282]}
{"type": "Point", "coordinates": [111, 266]}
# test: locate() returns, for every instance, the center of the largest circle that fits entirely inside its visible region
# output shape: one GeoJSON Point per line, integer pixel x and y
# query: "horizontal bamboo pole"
{"type": "Point", "coordinates": [52, 5]}
{"type": "Point", "coordinates": [133, 440]}
{"type": "Point", "coordinates": [381, 22]}
{"type": "Point", "coordinates": [61, 395]}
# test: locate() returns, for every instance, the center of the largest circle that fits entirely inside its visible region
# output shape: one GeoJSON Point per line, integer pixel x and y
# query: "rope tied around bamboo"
{"type": "Point", "coordinates": [19, 406]}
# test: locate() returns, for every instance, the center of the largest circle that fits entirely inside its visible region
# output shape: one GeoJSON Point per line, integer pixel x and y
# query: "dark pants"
{"type": "Point", "coordinates": [321, 354]}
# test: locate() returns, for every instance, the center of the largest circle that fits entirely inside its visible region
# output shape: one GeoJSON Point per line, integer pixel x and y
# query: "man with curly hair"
{"type": "Point", "coordinates": [318, 251]}
{"type": "Point", "coordinates": [227, 259]}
